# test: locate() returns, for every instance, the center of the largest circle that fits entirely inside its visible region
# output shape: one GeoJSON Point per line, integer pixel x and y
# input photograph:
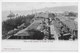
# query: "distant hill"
{"type": "Point", "coordinates": [60, 9]}
{"type": "Point", "coordinates": [50, 9]}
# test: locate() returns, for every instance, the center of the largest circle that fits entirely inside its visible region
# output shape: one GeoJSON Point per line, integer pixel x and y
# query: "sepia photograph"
{"type": "Point", "coordinates": [41, 21]}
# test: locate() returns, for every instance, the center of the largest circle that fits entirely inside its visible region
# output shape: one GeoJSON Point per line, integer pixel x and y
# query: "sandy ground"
{"type": "Point", "coordinates": [46, 45]}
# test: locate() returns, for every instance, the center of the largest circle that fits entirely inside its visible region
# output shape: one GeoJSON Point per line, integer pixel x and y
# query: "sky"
{"type": "Point", "coordinates": [33, 5]}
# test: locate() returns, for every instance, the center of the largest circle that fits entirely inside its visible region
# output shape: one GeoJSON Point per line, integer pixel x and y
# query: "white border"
{"type": "Point", "coordinates": [38, 1]}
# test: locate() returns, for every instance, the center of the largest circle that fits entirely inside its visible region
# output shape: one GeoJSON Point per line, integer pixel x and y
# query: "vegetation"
{"type": "Point", "coordinates": [11, 24]}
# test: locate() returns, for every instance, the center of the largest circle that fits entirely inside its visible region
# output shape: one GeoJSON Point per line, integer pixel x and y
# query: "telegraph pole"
{"type": "Point", "coordinates": [49, 28]}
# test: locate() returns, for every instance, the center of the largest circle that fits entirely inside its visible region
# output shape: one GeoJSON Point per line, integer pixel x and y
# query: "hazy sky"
{"type": "Point", "coordinates": [32, 5]}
